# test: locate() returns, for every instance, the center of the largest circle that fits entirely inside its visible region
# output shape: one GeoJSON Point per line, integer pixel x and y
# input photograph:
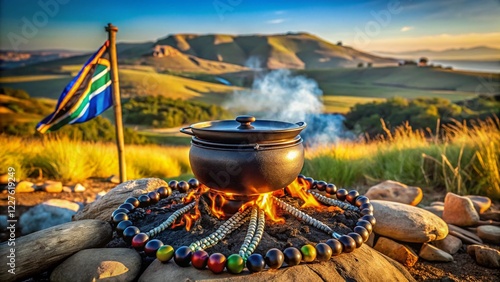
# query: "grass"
{"type": "Point", "coordinates": [464, 161]}
{"type": "Point", "coordinates": [70, 160]}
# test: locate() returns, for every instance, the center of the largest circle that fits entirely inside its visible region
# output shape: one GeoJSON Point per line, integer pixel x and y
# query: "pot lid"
{"type": "Point", "coordinates": [245, 129]}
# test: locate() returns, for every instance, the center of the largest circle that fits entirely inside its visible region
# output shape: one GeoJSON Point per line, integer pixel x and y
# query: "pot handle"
{"type": "Point", "coordinates": [185, 130]}
{"type": "Point", "coordinates": [301, 124]}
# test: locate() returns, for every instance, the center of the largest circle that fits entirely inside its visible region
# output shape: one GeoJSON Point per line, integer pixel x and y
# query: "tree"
{"type": "Point", "coordinates": [423, 61]}
{"type": "Point", "coordinates": [360, 65]}
{"type": "Point", "coordinates": [339, 43]}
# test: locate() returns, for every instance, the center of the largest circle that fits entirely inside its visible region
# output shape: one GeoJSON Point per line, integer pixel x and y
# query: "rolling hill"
{"type": "Point", "coordinates": [476, 53]}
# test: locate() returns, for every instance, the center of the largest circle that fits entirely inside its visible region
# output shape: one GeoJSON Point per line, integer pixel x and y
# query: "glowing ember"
{"type": "Point", "coordinates": [189, 218]}
{"type": "Point", "coordinates": [298, 189]}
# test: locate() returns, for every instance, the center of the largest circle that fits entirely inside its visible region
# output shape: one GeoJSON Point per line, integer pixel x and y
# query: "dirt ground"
{"type": "Point", "coordinates": [463, 268]}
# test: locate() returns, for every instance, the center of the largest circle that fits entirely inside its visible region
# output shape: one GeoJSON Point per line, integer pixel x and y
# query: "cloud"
{"type": "Point", "coordinates": [281, 12]}
{"type": "Point", "coordinates": [406, 28]}
{"type": "Point", "coordinates": [275, 21]}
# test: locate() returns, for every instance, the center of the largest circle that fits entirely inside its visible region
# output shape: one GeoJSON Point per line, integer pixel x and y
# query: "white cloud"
{"type": "Point", "coordinates": [406, 28]}
{"type": "Point", "coordinates": [275, 21]}
{"type": "Point", "coordinates": [281, 12]}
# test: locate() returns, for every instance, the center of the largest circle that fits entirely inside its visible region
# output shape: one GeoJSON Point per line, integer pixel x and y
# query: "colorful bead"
{"type": "Point", "coordinates": [165, 253]}
{"type": "Point", "coordinates": [200, 259]}
{"type": "Point", "coordinates": [348, 243]}
{"type": "Point", "coordinates": [255, 263]}
{"type": "Point", "coordinates": [129, 233]}
{"type": "Point", "coordinates": [323, 252]}
{"type": "Point", "coordinates": [351, 196]}
{"type": "Point", "coordinates": [308, 253]}
{"type": "Point", "coordinates": [154, 197]}
{"type": "Point", "coordinates": [139, 241]}
{"type": "Point", "coordinates": [357, 238]}
{"type": "Point", "coordinates": [274, 258]}
{"type": "Point", "coordinates": [182, 256]}
{"type": "Point", "coordinates": [164, 192]}
{"type": "Point", "coordinates": [341, 194]}
{"type": "Point", "coordinates": [292, 256]}
{"type": "Point", "coordinates": [132, 201]}
{"type": "Point", "coordinates": [121, 226]}
{"type": "Point", "coordinates": [152, 247]}
{"type": "Point", "coordinates": [235, 264]}
{"type": "Point", "coordinates": [216, 263]}
{"type": "Point", "coordinates": [336, 246]}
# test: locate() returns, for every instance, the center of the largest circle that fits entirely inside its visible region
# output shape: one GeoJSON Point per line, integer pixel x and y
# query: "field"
{"type": "Point", "coordinates": [465, 161]}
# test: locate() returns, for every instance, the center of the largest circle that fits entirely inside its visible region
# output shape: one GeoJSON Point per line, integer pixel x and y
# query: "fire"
{"type": "Point", "coordinates": [217, 202]}
{"type": "Point", "coordinates": [298, 188]}
{"type": "Point", "coordinates": [265, 202]}
{"type": "Point", "coordinates": [189, 218]}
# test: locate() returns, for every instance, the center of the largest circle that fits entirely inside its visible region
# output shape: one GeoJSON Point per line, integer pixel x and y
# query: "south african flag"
{"type": "Point", "coordinates": [85, 97]}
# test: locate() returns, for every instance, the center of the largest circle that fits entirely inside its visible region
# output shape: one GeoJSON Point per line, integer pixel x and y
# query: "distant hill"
{"type": "Point", "coordinates": [291, 50]}
{"type": "Point", "coordinates": [475, 53]}
{"type": "Point", "coordinates": [13, 59]}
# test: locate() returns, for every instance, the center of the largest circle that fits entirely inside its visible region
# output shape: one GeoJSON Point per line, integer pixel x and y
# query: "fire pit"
{"type": "Point", "coordinates": [248, 172]}
{"type": "Point", "coordinates": [190, 209]}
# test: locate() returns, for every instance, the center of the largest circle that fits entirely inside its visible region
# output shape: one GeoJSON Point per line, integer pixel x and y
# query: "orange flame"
{"type": "Point", "coordinates": [265, 202]}
{"type": "Point", "coordinates": [189, 218]}
{"type": "Point", "coordinates": [298, 188]}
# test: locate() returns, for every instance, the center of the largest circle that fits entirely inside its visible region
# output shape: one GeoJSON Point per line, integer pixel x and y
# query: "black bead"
{"type": "Point", "coordinates": [315, 185]}
{"type": "Point", "coordinates": [370, 218]}
{"type": "Point", "coordinates": [119, 217]}
{"type": "Point", "coordinates": [336, 246]}
{"type": "Point", "coordinates": [363, 232]}
{"type": "Point", "coordinates": [323, 252]}
{"type": "Point", "coordinates": [152, 246]}
{"type": "Point", "coordinates": [121, 226]}
{"type": "Point", "coordinates": [154, 197]}
{"type": "Point", "coordinates": [129, 233]}
{"type": "Point", "coordinates": [183, 186]}
{"type": "Point", "coordinates": [127, 206]}
{"type": "Point", "coordinates": [301, 177]}
{"type": "Point", "coordinates": [173, 184]}
{"type": "Point", "coordinates": [367, 225]}
{"type": "Point", "coordinates": [309, 182]}
{"type": "Point", "coordinates": [361, 200]}
{"type": "Point", "coordinates": [144, 200]}
{"type": "Point", "coordinates": [366, 212]}
{"type": "Point", "coordinates": [366, 206]}
{"type": "Point", "coordinates": [351, 196]}
{"type": "Point", "coordinates": [133, 201]}
{"type": "Point", "coordinates": [182, 256]}
{"type": "Point", "coordinates": [118, 211]}
{"type": "Point", "coordinates": [348, 243]}
{"type": "Point", "coordinates": [331, 189]}
{"type": "Point", "coordinates": [293, 256]}
{"type": "Point", "coordinates": [255, 263]}
{"type": "Point", "coordinates": [357, 238]}
{"type": "Point", "coordinates": [193, 183]}
{"type": "Point", "coordinates": [321, 185]}
{"type": "Point", "coordinates": [164, 192]}
{"type": "Point", "coordinates": [342, 194]}
{"type": "Point", "coordinates": [274, 258]}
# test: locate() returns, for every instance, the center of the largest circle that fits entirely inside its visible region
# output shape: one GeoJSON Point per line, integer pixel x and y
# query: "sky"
{"type": "Point", "coordinates": [372, 25]}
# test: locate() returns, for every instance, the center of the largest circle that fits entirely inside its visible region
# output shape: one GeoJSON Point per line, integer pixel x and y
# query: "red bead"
{"type": "Point", "coordinates": [200, 259]}
{"type": "Point", "coordinates": [217, 263]}
{"type": "Point", "coordinates": [139, 241]}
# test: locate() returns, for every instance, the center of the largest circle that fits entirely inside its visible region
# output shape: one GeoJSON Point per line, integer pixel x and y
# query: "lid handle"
{"type": "Point", "coordinates": [245, 122]}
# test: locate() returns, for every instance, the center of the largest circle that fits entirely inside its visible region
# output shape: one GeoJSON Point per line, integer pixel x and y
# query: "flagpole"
{"type": "Point", "coordinates": [112, 30]}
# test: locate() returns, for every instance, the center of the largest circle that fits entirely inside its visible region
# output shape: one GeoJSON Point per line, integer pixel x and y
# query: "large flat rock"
{"type": "Point", "coordinates": [364, 264]}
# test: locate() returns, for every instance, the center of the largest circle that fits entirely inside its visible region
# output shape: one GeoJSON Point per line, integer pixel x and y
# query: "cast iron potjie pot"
{"type": "Point", "coordinates": [246, 156]}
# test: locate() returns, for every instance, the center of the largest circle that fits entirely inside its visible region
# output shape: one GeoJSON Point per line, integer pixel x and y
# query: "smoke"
{"type": "Point", "coordinates": [279, 95]}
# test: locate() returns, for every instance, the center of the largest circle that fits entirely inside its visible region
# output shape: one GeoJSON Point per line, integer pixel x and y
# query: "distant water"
{"type": "Point", "coordinates": [481, 66]}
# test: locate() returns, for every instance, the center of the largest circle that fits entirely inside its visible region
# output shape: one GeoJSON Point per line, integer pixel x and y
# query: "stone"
{"type": "Point", "coordinates": [111, 264]}
{"type": "Point", "coordinates": [102, 207]}
{"type": "Point", "coordinates": [450, 244]}
{"type": "Point", "coordinates": [436, 209]}
{"type": "Point", "coordinates": [489, 233]}
{"type": "Point", "coordinates": [42, 250]}
{"type": "Point", "coordinates": [459, 210]}
{"type": "Point", "coordinates": [465, 233]}
{"type": "Point", "coordinates": [484, 255]}
{"type": "Point", "coordinates": [437, 203]}
{"type": "Point", "coordinates": [431, 253]}
{"type": "Point", "coordinates": [47, 214]}
{"type": "Point", "coordinates": [395, 192]}
{"type": "Point", "coordinates": [364, 264]}
{"type": "Point", "coordinates": [407, 223]}
{"type": "Point", "coordinates": [79, 188]}
{"type": "Point", "coordinates": [396, 251]}
{"type": "Point", "coordinates": [25, 187]}
{"type": "Point", "coordinates": [114, 179]}
{"type": "Point", "coordinates": [52, 186]}
{"type": "Point", "coordinates": [491, 215]}
{"type": "Point", "coordinates": [481, 203]}
{"type": "Point", "coordinates": [67, 189]}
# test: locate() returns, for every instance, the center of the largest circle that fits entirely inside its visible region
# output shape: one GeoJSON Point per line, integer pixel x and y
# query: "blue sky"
{"type": "Point", "coordinates": [368, 25]}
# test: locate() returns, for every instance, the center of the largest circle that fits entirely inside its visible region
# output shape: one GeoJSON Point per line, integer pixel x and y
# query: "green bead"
{"type": "Point", "coordinates": [308, 253]}
{"type": "Point", "coordinates": [235, 264]}
{"type": "Point", "coordinates": [165, 253]}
